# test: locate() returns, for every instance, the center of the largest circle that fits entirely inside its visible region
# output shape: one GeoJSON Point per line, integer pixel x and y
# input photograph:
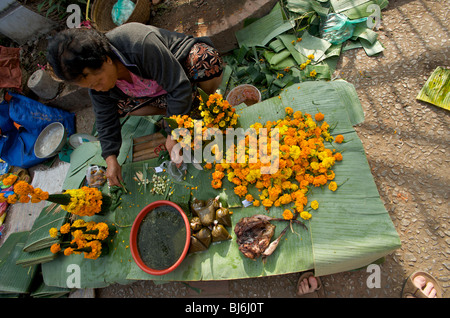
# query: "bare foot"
{"type": "Point", "coordinates": [427, 288]}
{"type": "Point", "coordinates": [307, 286]}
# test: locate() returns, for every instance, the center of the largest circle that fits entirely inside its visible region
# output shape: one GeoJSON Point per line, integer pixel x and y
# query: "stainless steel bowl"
{"type": "Point", "coordinates": [50, 141]}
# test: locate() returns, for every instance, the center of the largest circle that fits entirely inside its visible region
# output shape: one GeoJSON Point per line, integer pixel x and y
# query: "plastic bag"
{"type": "Point", "coordinates": [95, 176]}
{"type": "Point", "coordinates": [173, 170]}
{"type": "Point", "coordinates": [121, 11]}
{"type": "Point", "coordinates": [337, 28]}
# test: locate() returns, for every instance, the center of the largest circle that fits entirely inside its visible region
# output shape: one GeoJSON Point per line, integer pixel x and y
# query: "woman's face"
{"type": "Point", "coordinates": [102, 79]}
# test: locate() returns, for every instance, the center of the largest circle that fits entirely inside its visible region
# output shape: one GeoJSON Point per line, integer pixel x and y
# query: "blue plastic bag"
{"type": "Point", "coordinates": [121, 11]}
{"type": "Point", "coordinates": [17, 144]}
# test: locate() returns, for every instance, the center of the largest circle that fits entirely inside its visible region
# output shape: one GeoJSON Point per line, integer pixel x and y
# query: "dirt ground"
{"type": "Point", "coordinates": [406, 143]}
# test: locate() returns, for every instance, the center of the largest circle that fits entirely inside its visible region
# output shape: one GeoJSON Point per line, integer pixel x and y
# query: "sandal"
{"type": "Point", "coordinates": [411, 290]}
{"type": "Point", "coordinates": [317, 293]}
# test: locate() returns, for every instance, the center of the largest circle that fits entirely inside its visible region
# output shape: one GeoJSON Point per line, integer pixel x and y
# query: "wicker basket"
{"type": "Point", "coordinates": [101, 13]}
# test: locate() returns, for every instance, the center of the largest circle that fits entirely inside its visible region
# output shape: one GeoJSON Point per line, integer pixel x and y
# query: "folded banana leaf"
{"type": "Point", "coordinates": [436, 89]}
{"type": "Point", "coordinates": [14, 279]}
{"type": "Point", "coordinates": [44, 291]}
{"type": "Point", "coordinates": [39, 237]}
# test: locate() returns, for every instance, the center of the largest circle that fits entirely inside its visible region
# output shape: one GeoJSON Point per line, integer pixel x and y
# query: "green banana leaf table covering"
{"type": "Point", "coordinates": [350, 230]}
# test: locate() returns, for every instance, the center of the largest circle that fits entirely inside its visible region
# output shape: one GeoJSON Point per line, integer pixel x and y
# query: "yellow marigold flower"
{"type": "Point", "coordinates": [313, 73]}
{"type": "Point", "coordinates": [305, 215]}
{"type": "Point", "coordinates": [256, 203]}
{"type": "Point", "coordinates": [53, 232]}
{"type": "Point", "coordinates": [311, 56]}
{"type": "Point", "coordinates": [287, 214]}
{"type": "Point", "coordinates": [332, 186]}
{"type": "Point", "coordinates": [55, 248]}
{"type": "Point", "coordinates": [315, 205]}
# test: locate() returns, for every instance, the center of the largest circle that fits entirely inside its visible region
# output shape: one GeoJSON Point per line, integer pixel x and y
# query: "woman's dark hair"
{"type": "Point", "coordinates": [69, 52]}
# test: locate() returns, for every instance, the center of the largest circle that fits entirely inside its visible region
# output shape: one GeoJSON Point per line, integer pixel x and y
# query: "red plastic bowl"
{"type": "Point", "coordinates": [135, 229]}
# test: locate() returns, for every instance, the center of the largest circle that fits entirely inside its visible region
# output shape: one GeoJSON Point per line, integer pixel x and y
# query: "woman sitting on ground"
{"type": "Point", "coordinates": [134, 69]}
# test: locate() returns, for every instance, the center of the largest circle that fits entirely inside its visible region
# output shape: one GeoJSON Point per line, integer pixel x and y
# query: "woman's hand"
{"type": "Point", "coordinates": [171, 146]}
{"type": "Point", "coordinates": [113, 171]}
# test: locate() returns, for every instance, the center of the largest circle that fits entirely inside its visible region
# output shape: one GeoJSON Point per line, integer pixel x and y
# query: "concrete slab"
{"type": "Point", "coordinates": [22, 25]}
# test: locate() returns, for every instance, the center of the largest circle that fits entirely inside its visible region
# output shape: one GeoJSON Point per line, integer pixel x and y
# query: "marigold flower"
{"type": "Point", "coordinates": [53, 232]}
{"type": "Point", "coordinates": [287, 215]}
{"type": "Point", "coordinates": [289, 111]}
{"type": "Point", "coordinates": [22, 188]}
{"type": "Point", "coordinates": [216, 183]}
{"type": "Point", "coordinates": [332, 186]}
{"type": "Point", "coordinates": [256, 203]}
{"type": "Point", "coordinates": [314, 205]}
{"type": "Point", "coordinates": [305, 215]}
{"type": "Point", "coordinates": [339, 139]}
{"type": "Point", "coordinates": [267, 203]}
{"type": "Point", "coordinates": [9, 180]}
{"type": "Point", "coordinates": [313, 73]}
{"type": "Point", "coordinates": [55, 248]}
{"type": "Point", "coordinates": [240, 190]}
{"type": "Point", "coordinates": [319, 116]}
{"type": "Point", "coordinates": [249, 198]}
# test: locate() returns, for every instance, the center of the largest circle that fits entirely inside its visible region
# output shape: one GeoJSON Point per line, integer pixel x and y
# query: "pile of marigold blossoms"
{"type": "Point", "coordinates": [23, 192]}
{"type": "Point", "coordinates": [218, 113]}
{"type": "Point", "coordinates": [84, 202]}
{"type": "Point", "coordinates": [304, 162]}
{"type": "Point", "coordinates": [86, 237]}
{"type": "Point", "coordinates": [193, 128]}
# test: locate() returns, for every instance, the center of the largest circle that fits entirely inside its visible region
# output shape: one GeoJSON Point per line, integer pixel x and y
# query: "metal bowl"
{"type": "Point", "coordinates": [50, 141]}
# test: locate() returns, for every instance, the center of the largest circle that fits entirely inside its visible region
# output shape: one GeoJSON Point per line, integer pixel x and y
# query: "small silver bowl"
{"type": "Point", "coordinates": [50, 141]}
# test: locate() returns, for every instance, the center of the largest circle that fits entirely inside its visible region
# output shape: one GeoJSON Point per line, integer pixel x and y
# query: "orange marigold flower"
{"type": "Point", "coordinates": [249, 198]}
{"type": "Point", "coordinates": [287, 215]}
{"type": "Point", "coordinates": [216, 183]}
{"type": "Point", "coordinates": [339, 139]}
{"type": "Point", "coordinates": [267, 203]}
{"type": "Point", "coordinates": [22, 188]}
{"type": "Point", "coordinates": [338, 156]}
{"type": "Point", "coordinates": [55, 248]}
{"type": "Point", "coordinates": [319, 116]}
{"type": "Point", "coordinates": [240, 190]}
{"type": "Point", "coordinates": [256, 203]}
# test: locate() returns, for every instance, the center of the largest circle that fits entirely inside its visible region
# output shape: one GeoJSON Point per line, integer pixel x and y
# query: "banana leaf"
{"type": "Point", "coordinates": [436, 89]}
{"type": "Point", "coordinates": [44, 291]}
{"type": "Point", "coordinates": [262, 31]}
{"type": "Point", "coordinates": [350, 230]}
{"type": "Point", "coordinates": [15, 279]}
{"type": "Point", "coordinates": [39, 236]}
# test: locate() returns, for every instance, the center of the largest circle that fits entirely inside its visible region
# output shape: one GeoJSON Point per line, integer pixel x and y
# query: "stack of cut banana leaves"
{"type": "Point", "coordinates": [351, 229]}
{"type": "Point", "coordinates": [273, 50]}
